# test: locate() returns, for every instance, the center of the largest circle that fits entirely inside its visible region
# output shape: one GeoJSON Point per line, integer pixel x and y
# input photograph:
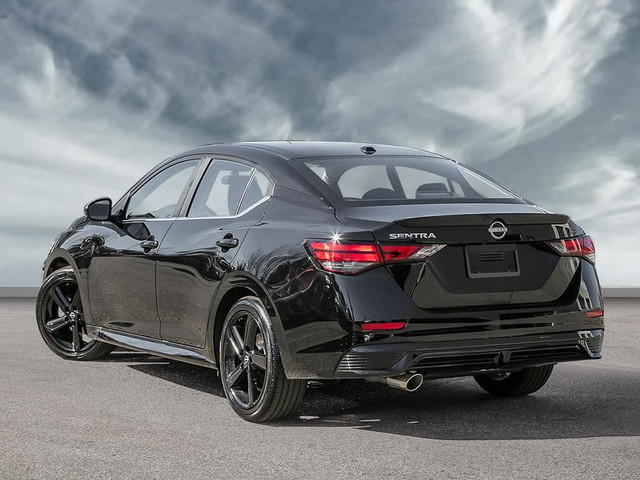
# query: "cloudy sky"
{"type": "Point", "coordinates": [542, 95]}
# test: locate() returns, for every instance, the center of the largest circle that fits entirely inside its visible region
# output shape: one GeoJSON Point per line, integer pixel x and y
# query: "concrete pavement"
{"type": "Point", "coordinates": [139, 416]}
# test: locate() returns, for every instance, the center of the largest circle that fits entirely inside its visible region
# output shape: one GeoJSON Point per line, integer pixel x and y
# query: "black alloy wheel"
{"type": "Point", "coordinates": [61, 319]}
{"type": "Point", "coordinates": [250, 367]}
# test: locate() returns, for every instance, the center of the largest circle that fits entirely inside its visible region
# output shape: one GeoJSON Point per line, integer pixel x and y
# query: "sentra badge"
{"type": "Point", "coordinates": [411, 236]}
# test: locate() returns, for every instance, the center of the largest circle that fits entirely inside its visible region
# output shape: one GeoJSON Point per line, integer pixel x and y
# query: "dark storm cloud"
{"type": "Point", "coordinates": [290, 54]}
{"type": "Point", "coordinates": [543, 94]}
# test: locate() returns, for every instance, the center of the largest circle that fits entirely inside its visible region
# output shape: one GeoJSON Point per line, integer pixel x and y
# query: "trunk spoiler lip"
{"type": "Point", "coordinates": [475, 219]}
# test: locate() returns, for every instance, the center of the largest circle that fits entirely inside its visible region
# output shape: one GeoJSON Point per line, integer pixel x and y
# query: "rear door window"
{"type": "Point", "coordinates": [220, 190]}
{"type": "Point", "coordinates": [258, 188]}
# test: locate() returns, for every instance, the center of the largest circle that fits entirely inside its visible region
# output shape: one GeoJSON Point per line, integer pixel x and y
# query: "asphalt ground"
{"type": "Point", "coordinates": [138, 416]}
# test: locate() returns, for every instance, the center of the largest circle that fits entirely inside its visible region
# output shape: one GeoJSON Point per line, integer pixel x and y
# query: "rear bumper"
{"type": "Point", "coordinates": [326, 341]}
{"type": "Point", "coordinates": [468, 357]}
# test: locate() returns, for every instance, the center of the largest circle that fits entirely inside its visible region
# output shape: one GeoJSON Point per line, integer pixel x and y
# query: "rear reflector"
{"type": "Point", "coordinates": [576, 247]}
{"type": "Point", "coordinates": [377, 326]}
{"type": "Point", "coordinates": [595, 313]}
{"type": "Point", "coordinates": [352, 258]}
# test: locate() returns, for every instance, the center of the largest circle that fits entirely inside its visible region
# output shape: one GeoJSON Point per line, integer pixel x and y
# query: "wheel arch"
{"type": "Point", "coordinates": [57, 259]}
{"type": "Point", "coordinates": [233, 288]}
{"type": "Point", "coordinates": [61, 258]}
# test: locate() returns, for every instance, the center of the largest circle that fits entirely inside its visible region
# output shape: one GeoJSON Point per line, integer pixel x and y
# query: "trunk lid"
{"type": "Point", "coordinates": [495, 254]}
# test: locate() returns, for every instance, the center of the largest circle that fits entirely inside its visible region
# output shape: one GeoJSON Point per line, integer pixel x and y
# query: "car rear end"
{"type": "Point", "coordinates": [448, 273]}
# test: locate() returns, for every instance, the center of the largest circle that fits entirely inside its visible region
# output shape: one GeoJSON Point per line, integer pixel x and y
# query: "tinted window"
{"type": "Point", "coordinates": [257, 190]}
{"type": "Point", "coordinates": [480, 184]}
{"type": "Point", "coordinates": [420, 184]}
{"type": "Point", "coordinates": [220, 190]}
{"type": "Point", "coordinates": [401, 180]}
{"type": "Point", "coordinates": [357, 181]}
{"type": "Point", "coordinates": [159, 197]}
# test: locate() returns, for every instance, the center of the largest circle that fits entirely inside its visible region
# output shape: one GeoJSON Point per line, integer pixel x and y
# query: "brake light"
{"type": "Point", "coordinates": [576, 247]}
{"type": "Point", "coordinates": [352, 258]}
{"type": "Point", "coordinates": [345, 257]}
{"type": "Point", "coordinates": [403, 253]}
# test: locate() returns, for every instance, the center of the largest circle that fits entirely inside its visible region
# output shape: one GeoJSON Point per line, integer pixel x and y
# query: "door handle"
{"type": "Point", "coordinates": [227, 242]}
{"type": "Point", "coordinates": [149, 244]}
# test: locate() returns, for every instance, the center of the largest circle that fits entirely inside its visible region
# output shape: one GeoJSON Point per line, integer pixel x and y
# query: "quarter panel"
{"type": "Point", "coordinates": [313, 315]}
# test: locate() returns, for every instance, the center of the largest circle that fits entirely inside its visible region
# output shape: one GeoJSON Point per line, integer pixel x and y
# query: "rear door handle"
{"type": "Point", "coordinates": [227, 242]}
{"type": "Point", "coordinates": [149, 244]}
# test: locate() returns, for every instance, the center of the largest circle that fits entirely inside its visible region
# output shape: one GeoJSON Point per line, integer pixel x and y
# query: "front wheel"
{"type": "Point", "coordinates": [523, 382]}
{"type": "Point", "coordinates": [60, 319]}
{"type": "Point", "coordinates": [250, 367]}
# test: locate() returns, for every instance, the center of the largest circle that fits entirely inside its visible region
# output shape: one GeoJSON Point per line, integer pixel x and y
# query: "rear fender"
{"type": "Point", "coordinates": [235, 285]}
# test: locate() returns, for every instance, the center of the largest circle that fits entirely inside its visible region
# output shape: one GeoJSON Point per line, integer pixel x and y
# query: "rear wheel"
{"type": "Point", "coordinates": [524, 382]}
{"type": "Point", "coordinates": [250, 367]}
{"type": "Point", "coordinates": [60, 319]}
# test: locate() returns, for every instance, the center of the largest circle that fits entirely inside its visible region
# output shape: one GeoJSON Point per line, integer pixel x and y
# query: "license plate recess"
{"type": "Point", "coordinates": [492, 261]}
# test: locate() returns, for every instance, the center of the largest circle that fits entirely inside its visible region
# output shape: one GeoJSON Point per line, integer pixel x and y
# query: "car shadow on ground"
{"type": "Point", "coordinates": [578, 402]}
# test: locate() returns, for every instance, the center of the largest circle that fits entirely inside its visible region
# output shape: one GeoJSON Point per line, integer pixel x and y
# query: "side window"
{"type": "Point", "coordinates": [320, 171]}
{"type": "Point", "coordinates": [159, 197]}
{"type": "Point", "coordinates": [257, 190]}
{"type": "Point", "coordinates": [220, 190]}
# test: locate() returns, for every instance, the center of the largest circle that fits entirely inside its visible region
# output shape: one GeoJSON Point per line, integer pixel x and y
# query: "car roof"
{"type": "Point", "coordinates": [292, 149]}
{"type": "Point", "coordinates": [275, 156]}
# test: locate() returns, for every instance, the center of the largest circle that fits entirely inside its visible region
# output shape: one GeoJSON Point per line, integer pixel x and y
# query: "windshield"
{"type": "Point", "coordinates": [400, 180]}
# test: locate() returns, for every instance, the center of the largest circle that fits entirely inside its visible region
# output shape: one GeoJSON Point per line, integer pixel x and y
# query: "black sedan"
{"type": "Point", "coordinates": [278, 263]}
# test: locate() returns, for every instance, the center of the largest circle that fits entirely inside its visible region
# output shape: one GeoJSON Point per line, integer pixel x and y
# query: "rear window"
{"type": "Point", "coordinates": [398, 180]}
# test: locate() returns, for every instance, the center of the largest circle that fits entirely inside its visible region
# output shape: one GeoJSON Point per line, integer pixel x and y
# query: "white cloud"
{"type": "Point", "coordinates": [50, 171]}
{"type": "Point", "coordinates": [502, 81]}
{"type": "Point", "coordinates": [607, 186]}
{"type": "Point", "coordinates": [61, 146]}
{"type": "Point", "coordinates": [48, 92]}
{"type": "Point", "coordinates": [601, 191]}
{"type": "Point", "coordinates": [486, 77]}
{"type": "Point", "coordinates": [56, 154]}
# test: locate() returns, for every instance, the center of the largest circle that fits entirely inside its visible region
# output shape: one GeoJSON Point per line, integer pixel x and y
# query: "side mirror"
{"type": "Point", "coordinates": [99, 210]}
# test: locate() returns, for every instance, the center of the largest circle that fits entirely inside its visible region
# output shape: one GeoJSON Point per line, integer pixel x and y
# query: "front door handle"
{"type": "Point", "coordinates": [149, 244]}
{"type": "Point", "coordinates": [227, 242]}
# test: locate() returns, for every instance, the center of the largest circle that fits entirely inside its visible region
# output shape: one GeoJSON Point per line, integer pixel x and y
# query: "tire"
{"type": "Point", "coordinates": [250, 366]}
{"type": "Point", "coordinates": [515, 384]}
{"type": "Point", "coordinates": [60, 319]}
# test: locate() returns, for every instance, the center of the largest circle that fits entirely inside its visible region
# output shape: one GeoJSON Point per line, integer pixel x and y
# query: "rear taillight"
{"type": "Point", "coordinates": [408, 253]}
{"type": "Point", "coordinates": [352, 258]}
{"type": "Point", "coordinates": [576, 247]}
{"type": "Point", "coordinates": [345, 257]}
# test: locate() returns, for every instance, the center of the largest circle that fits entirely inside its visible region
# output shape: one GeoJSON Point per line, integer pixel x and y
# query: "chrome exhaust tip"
{"type": "Point", "coordinates": [409, 382]}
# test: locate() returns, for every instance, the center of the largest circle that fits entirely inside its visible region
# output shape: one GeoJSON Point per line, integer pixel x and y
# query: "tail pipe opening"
{"type": "Point", "coordinates": [409, 382]}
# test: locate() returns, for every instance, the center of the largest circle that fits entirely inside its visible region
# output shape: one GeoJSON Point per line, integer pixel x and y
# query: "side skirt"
{"type": "Point", "coordinates": [153, 346]}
